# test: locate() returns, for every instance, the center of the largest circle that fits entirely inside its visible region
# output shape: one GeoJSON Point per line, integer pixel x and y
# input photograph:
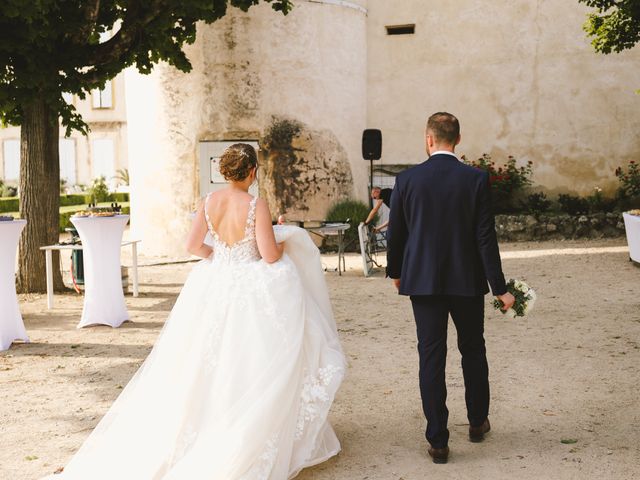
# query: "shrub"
{"type": "Point", "coordinates": [352, 212]}
{"type": "Point", "coordinates": [536, 203]}
{"type": "Point", "coordinates": [98, 191]}
{"type": "Point", "coordinates": [73, 199]}
{"type": "Point", "coordinates": [120, 197]}
{"type": "Point", "coordinates": [628, 195]}
{"type": "Point", "coordinates": [599, 203]}
{"type": "Point", "coordinates": [629, 179]}
{"type": "Point", "coordinates": [573, 205]}
{"type": "Point", "coordinates": [506, 181]}
{"type": "Point", "coordinates": [8, 190]}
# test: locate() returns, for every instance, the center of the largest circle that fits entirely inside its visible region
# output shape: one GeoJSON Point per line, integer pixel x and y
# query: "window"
{"type": "Point", "coordinates": [11, 155]}
{"type": "Point", "coordinates": [103, 98]}
{"type": "Point", "coordinates": [67, 148]}
{"type": "Point", "coordinates": [103, 158]}
{"type": "Point", "coordinates": [408, 29]}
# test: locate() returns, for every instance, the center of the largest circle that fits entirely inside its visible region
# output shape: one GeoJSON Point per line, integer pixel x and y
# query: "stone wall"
{"type": "Point", "coordinates": [522, 77]}
{"type": "Point", "coordinates": [514, 228]}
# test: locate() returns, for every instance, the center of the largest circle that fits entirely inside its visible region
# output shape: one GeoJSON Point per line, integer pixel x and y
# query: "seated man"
{"type": "Point", "coordinates": [380, 196]}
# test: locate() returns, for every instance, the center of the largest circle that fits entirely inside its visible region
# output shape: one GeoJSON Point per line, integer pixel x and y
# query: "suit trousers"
{"type": "Point", "coordinates": [431, 314]}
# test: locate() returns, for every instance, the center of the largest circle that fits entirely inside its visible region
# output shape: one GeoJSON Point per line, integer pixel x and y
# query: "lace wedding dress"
{"type": "Point", "coordinates": [240, 381]}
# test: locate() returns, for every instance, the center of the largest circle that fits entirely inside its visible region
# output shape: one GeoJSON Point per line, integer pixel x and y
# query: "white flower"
{"type": "Point", "coordinates": [511, 313]}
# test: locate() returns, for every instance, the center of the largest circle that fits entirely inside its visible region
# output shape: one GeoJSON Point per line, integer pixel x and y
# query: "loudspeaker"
{"type": "Point", "coordinates": [372, 144]}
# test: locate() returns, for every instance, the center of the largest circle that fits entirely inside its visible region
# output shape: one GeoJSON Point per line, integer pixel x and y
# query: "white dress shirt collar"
{"type": "Point", "coordinates": [444, 152]}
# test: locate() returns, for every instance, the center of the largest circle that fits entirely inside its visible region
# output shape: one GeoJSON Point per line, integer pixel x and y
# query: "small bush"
{"type": "Point", "coordinates": [536, 204]}
{"type": "Point", "coordinates": [629, 179]}
{"type": "Point", "coordinates": [599, 203]}
{"type": "Point", "coordinates": [506, 181]}
{"type": "Point", "coordinates": [352, 212]}
{"type": "Point", "coordinates": [573, 205]}
{"type": "Point", "coordinates": [98, 191]}
{"type": "Point", "coordinates": [8, 190]}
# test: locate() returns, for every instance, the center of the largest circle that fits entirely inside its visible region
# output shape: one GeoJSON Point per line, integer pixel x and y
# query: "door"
{"type": "Point", "coordinates": [210, 178]}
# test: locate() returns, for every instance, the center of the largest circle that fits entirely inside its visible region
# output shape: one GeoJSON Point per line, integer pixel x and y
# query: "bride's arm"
{"type": "Point", "coordinates": [270, 251]}
{"type": "Point", "coordinates": [195, 240]}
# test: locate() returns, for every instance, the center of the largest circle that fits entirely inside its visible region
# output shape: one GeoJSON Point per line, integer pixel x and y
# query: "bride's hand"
{"type": "Point", "coordinates": [281, 220]}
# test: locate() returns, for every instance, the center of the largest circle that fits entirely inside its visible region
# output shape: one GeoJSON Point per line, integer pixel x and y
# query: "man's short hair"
{"type": "Point", "coordinates": [444, 128]}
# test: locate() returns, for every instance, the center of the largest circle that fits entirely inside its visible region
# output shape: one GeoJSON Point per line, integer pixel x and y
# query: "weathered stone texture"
{"type": "Point", "coordinates": [513, 228]}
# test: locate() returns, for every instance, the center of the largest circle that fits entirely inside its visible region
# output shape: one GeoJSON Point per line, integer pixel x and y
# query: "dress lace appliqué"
{"type": "Point", "coordinates": [313, 396]}
{"type": "Point", "coordinates": [264, 464]}
{"type": "Point", "coordinates": [242, 251]}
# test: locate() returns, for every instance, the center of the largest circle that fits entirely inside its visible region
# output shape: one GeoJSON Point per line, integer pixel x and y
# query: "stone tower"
{"type": "Point", "coordinates": [295, 84]}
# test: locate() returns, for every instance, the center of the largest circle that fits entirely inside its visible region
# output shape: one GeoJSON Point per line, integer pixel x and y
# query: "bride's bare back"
{"type": "Point", "coordinates": [228, 211]}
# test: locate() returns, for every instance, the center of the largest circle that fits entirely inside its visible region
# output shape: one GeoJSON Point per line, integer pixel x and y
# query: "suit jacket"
{"type": "Point", "coordinates": [441, 238]}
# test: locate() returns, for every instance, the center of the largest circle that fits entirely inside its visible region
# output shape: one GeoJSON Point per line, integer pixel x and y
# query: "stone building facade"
{"type": "Point", "coordinates": [521, 76]}
{"type": "Point", "coordinates": [102, 152]}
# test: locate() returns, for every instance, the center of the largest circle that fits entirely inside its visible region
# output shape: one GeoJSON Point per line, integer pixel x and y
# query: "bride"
{"type": "Point", "coordinates": [240, 381]}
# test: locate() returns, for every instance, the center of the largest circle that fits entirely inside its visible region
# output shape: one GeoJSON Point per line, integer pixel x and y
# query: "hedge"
{"type": "Point", "coordinates": [73, 199]}
{"type": "Point", "coordinates": [9, 204]}
{"type": "Point", "coordinates": [12, 204]}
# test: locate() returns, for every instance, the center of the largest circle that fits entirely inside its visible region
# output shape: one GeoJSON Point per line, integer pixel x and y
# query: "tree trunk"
{"type": "Point", "coordinates": [39, 197]}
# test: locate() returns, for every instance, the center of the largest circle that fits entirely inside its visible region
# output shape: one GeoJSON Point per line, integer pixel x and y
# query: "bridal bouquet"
{"type": "Point", "coordinates": [525, 299]}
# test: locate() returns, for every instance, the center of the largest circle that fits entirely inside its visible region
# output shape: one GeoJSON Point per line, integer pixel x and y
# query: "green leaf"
{"type": "Point", "coordinates": [568, 441]}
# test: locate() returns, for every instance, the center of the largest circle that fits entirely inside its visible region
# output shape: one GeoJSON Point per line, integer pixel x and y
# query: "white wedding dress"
{"type": "Point", "coordinates": [240, 381]}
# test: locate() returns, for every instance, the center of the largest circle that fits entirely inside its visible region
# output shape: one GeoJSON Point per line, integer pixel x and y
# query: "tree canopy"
{"type": "Point", "coordinates": [48, 47]}
{"type": "Point", "coordinates": [615, 26]}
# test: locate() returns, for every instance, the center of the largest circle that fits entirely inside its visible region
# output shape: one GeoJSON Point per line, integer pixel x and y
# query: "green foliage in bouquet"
{"type": "Point", "coordinates": [506, 180]}
{"type": "Point", "coordinates": [524, 295]}
{"type": "Point", "coordinates": [352, 212]}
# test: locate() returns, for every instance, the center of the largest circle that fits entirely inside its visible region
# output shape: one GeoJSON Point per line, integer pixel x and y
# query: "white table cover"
{"type": "Point", "coordinates": [103, 296]}
{"type": "Point", "coordinates": [11, 325]}
{"type": "Point", "coordinates": [632, 227]}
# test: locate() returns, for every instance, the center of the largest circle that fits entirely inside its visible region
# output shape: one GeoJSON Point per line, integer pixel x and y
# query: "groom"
{"type": "Point", "coordinates": [442, 251]}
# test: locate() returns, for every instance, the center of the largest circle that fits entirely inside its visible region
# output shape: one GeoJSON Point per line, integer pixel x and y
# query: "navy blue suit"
{"type": "Point", "coordinates": [441, 244]}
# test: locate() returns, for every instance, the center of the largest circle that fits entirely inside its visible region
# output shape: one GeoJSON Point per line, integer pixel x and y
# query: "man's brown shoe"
{"type": "Point", "coordinates": [439, 455]}
{"type": "Point", "coordinates": [476, 434]}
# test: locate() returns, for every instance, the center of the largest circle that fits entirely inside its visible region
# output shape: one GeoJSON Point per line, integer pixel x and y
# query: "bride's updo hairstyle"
{"type": "Point", "coordinates": [237, 161]}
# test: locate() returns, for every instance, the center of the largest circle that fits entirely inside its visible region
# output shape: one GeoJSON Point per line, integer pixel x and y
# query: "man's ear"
{"type": "Point", "coordinates": [458, 140]}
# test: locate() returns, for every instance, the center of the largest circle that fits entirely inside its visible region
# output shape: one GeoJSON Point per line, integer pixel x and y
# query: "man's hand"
{"type": "Point", "coordinates": [507, 299]}
{"type": "Point", "coordinates": [396, 282]}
